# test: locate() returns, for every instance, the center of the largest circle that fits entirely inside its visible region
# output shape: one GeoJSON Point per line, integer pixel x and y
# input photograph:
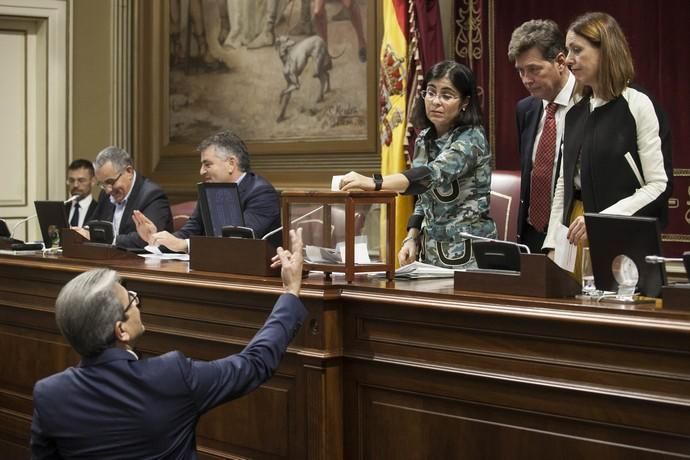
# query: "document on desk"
{"type": "Point", "coordinates": [156, 253]}
{"type": "Point", "coordinates": [566, 253]}
{"type": "Point", "coordinates": [418, 270]}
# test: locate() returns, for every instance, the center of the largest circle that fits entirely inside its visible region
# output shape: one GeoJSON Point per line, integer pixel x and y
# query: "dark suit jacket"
{"type": "Point", "coordinates": [147, 197]}
{"type": "Point", "coordinates": [114, 406]}
{"type": "Point", "coordinates": [528, 113]}
{"type": "Point", "coordinates": [260, 207]}
{"type": "Point", "coordinates": [89, 212]}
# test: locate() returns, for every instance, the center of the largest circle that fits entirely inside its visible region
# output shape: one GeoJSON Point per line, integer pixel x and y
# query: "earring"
{"type": "Point", "coordinates": [464, 108]}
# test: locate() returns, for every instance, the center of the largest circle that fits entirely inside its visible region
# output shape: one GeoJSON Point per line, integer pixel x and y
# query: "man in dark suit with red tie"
{"type": "Point", "coordinates": [80, 181]}
{"type": "Point", "coordinates": [537, 48]}
{"type": "Point", "coordinates": [224, 158]}
{"type": "Point", "coordinates": [114, 405]}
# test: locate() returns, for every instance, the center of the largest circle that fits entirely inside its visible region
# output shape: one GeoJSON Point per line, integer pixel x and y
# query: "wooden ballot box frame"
{"type": "Point", "coordinates": [539, 276]}
{"type": "Point", "coordinates": [237, 256]}
{"type": "Point", "coordinates": [349, 201]}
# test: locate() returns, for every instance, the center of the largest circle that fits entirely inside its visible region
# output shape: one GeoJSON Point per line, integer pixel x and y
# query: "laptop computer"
{"type": "Point", "coordinates": [219, 205]}
{"type": "Point", "coordinates": [52, 217]}
{"type": "Point", "coordinates": [4, 230]}
{"type": "Point", "coordinates": [611, 236]}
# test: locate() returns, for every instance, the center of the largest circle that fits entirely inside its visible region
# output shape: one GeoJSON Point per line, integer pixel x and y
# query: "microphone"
{"type": "Point", "coordinates": [492, 240]}
{"type": "Point", "coordinates": [71, 199]}
{"type": "Point", "coordinates": [661, 260]}
{"type": "Point", "coordinates": [14, 227]}
{"type": "Point", "coordinates": [294, 221]}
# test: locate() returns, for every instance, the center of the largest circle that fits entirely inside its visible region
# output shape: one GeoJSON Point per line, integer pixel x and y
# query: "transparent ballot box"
{"type": "Point", "coordinates": [348, 232]}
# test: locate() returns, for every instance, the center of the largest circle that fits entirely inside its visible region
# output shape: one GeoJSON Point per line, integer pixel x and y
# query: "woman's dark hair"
{"type": "Point", "coordinates": [464, 82]}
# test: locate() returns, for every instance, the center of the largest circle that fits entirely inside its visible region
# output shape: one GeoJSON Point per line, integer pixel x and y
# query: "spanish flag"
{"type": "Point", "coordinates": [393, 97]}
{"type": "Point", "coordinates": [412, 43]}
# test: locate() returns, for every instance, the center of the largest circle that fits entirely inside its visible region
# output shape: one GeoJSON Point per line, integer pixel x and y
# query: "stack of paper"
{"type": "Point", "coordinates": [417, 270]}
{"type": "Point", "coordinates": [422, 270]}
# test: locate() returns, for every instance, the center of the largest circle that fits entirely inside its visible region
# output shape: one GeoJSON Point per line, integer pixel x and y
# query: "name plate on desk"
{"type": "Point", "coordinates": [76, 246]}
{"type": "Point", "coordinates": [539, 276]}
{"type": "Point", "coordinates": [238, 256]}
{"type": "Point", "coordinates": [676, 297]}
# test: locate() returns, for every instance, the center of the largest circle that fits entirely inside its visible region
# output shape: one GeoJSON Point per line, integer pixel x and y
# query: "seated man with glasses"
{"type": "Point", "coordinates": [115, 405]}
{"type": "Point", "coordinates": [123, 192]}
{"type": "Point", "coordinates": [80, 181]}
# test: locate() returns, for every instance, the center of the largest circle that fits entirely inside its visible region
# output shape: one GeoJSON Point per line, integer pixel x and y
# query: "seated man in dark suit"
{"type": "Point", "coordinates": [537, 48]}
{"type": "Point", "coordinates": [123, 191]}
{"type": "Point", "coordinates": [224, 158]}
{"type": "Point", "coordinates": [80, 181]}
{"type": "Point", "coordinates": [114, 405]}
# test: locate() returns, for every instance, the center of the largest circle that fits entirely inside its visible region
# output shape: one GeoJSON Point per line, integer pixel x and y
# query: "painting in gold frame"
{"type": "Point", "coordinates": [191, 91]}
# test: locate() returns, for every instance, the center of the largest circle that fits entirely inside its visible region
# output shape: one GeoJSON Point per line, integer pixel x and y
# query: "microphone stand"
{"type": "Point", "coordinates": [492, 240]}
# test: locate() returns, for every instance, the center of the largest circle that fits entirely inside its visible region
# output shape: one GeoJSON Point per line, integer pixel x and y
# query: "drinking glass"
{"type": "Point", "coordinates": [588, 287]}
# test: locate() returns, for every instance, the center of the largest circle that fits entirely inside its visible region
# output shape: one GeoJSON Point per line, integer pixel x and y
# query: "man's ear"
{"type": "Point", "coordinates": [560, 60]}
{"type": "Point", "coordinates": [121, 333]}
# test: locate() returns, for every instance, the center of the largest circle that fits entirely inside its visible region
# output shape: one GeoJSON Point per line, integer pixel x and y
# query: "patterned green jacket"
{"type": "Point", "coordinates": [452, 176]}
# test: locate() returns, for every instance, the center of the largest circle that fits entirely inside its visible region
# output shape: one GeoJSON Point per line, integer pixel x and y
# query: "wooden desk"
{"type": "Point", "coordinates": [385, 370]}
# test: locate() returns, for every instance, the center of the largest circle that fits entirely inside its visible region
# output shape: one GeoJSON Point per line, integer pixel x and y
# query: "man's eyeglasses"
{"type": "Point", "coordinates": [109, 183]}
{"type": "Point", "coordinates": [431, 94]}
{"type": "Point", "coordinates": [133, 300]}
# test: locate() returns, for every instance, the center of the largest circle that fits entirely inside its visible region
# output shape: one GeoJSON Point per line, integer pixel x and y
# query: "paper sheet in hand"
{"type": "Point", "coordinates": [335, 183]}
{"type": "Point", "coordinates": [565, 252]}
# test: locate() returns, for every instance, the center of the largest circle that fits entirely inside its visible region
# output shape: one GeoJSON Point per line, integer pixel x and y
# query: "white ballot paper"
{"type": "Point", "coordinates": [565, 252]}
{"type": "Point", "coordinates": [335, 183]}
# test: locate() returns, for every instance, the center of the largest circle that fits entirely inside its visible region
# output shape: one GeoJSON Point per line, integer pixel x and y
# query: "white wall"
{"type": "Point", "coordinates": [34, 112]}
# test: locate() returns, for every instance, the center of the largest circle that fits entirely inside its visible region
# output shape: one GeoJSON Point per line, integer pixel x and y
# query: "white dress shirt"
{"type": "Point", "coordinates": [84, 204]}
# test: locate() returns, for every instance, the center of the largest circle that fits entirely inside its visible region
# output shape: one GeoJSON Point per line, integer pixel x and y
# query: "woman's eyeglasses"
{"type": "Point", "coordinates": [431, 94]}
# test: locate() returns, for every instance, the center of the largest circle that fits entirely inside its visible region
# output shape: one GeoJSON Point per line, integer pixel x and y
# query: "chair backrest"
{"type": "Point", "coordinates": [505, 203]}
{"type": "Point", "coordinates": [181, 212]}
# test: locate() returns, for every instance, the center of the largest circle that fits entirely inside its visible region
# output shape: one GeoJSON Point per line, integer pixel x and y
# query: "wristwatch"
{"type": "Point", "coordinates": [378, 181]}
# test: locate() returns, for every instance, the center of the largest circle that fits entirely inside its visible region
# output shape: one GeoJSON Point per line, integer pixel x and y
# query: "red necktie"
{"type": "Point", "coordinates": [542, 172]}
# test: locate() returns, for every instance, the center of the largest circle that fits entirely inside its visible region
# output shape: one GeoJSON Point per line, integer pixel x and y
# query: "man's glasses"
{"type": "Point", "coordinates": [133, 300]}
{"type": "Point", "coordinates": [431, 94]}
{"type": "Point", "coordinates": [109, 183]}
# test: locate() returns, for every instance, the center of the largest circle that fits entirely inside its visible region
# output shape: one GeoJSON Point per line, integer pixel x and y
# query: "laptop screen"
{"type": "Point", "coordinates": [52, 216]}
{"type": "Point", "coordinates": [632, 236]}
{"type": "Point", "coordinates": [219, 204]}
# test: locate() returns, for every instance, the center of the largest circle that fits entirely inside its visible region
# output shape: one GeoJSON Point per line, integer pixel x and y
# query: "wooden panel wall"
{"type": "Point", "coordinates": [385, 370]}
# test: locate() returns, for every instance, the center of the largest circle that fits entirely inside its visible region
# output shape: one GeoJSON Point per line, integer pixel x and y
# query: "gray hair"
{"type": "Point", "coordinates": [542, 34]}
{"type": "Point", "coordinates": [227, 144]}
{"type": "Point", "coordinates": [117, 156]}
{"type": "Point", "coordinates": [87, 309]}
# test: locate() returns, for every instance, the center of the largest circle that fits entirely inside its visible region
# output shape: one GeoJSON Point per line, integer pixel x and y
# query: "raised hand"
{"type": "Point", "coordinates": [145, 228]}
{"type": "Point", "coordinates": [291, 263]}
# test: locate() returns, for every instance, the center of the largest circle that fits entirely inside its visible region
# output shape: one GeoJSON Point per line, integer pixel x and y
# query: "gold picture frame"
{"type": "Point", "coordinates": [169, 156]}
